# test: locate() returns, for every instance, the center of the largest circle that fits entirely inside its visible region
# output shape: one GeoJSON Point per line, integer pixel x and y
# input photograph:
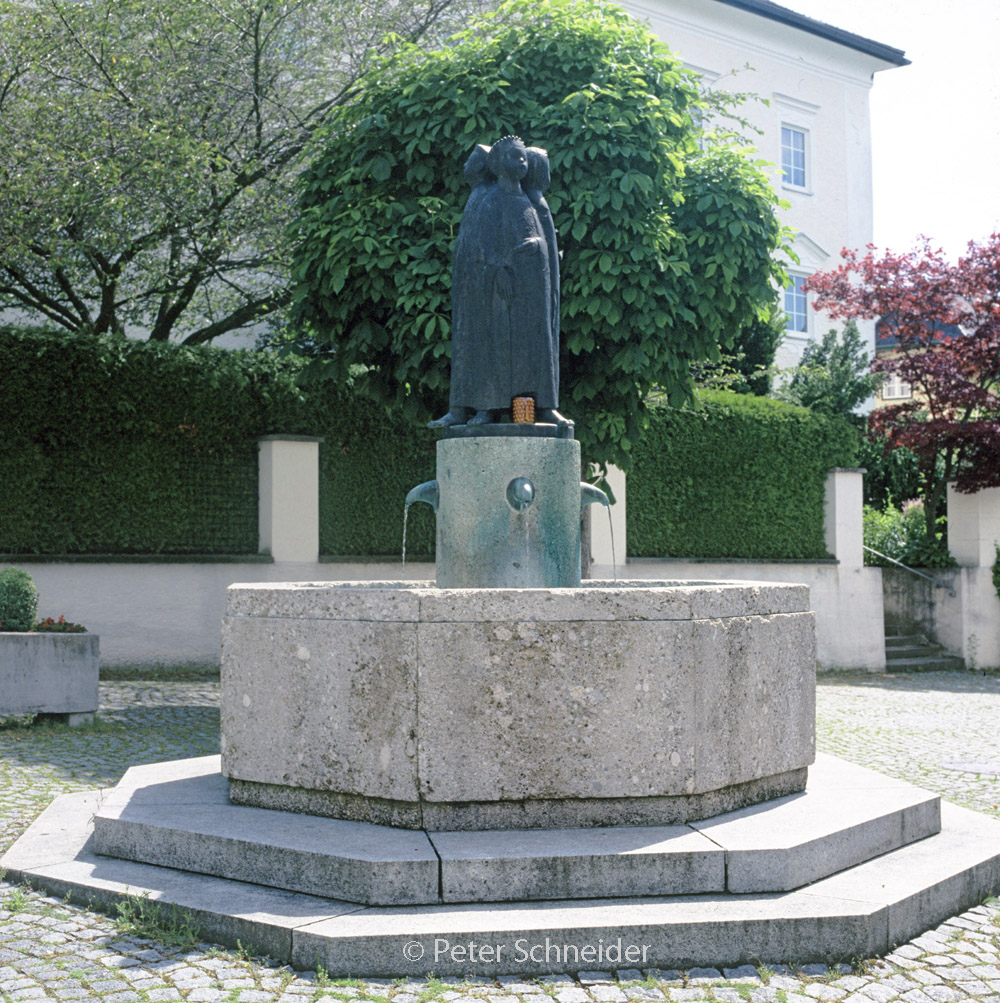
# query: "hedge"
{"type": "Point", "coordinates": [118, 447]}
{"type": "Point", "coordinates": [111, 446]}
{"type": "Point", "coordinates": [737, 477]}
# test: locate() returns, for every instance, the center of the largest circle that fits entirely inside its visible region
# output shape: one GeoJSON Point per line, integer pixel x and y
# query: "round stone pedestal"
{"type": "Point", "coordinates": [640, 703]}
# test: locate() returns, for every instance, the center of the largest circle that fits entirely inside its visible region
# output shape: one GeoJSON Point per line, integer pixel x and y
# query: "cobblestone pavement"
{"type": "Point", "coordinates": [940, 730]}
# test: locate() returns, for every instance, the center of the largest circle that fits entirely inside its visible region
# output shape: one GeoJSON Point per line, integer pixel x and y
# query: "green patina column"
{"type": "Point", "coordinates": [508, 512]}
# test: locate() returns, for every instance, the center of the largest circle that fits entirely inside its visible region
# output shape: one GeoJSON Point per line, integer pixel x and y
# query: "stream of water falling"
{"type": "Point", "coordinates": [406, 513]}
{"type": "Point", "coordinates": [614, 562]}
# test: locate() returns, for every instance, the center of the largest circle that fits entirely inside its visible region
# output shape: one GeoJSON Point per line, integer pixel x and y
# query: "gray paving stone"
{"type": "Point", "coordinates": [704, 974]}
{"type": "Point", "coordinates": [943, 994]}
{"type": "Point", "coordinates": [878, 992]}
{"type": "Point", "coordinates": [824, 992]}
{"type": "Point", "coordinates": [742, 973]}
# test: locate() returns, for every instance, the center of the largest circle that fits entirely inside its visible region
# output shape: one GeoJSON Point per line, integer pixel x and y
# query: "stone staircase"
{"type": "Point", "coordinates": [914, 653]}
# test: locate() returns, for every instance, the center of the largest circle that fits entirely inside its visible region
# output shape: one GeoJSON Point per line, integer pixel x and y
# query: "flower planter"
{"type": "Point", "coordinates": [49, 673]}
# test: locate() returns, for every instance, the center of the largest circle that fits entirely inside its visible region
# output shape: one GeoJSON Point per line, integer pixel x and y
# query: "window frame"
{"type": "Point", "coordinates": [894, 380]}
{"type": "Point", "coordinates": [795, 279]}
{"type": "Point", "coordinates": [786, 182]}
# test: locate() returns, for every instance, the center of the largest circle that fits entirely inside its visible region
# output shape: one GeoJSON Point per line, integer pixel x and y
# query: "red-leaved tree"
{"type": "Point", "coordinates": [945, 321]}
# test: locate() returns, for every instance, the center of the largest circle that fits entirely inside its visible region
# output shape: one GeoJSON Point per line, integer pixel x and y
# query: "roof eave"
{"type": "Point", "coordinates": [765, 8]}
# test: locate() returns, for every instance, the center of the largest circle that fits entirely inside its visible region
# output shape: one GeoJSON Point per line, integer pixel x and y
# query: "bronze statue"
{"type": "Point", "coordinates": [505, 290]}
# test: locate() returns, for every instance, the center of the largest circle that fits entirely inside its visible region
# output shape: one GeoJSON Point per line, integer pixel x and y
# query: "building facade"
{"type": "Point", "coordinates": [812, 83]}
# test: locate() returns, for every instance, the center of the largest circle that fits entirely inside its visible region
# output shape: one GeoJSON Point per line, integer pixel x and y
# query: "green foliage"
{"type": "Point", "coordinates": [738, 476]}
{"type": "Point", "coordinates": [368, 463]}
{"type": "Point", "coordinates": [666, 250]}
{"type": "Point", "coordinates": [139, 916]}
{"type": "Point", "coordinates": [900, 533]}
{"type": "Point", "coordinates": [996, 572]}
{"type": "Point", "coordinates": [833, 375]}
{"type": "Point", "coordinates": [119, 447]}
{"type": "Point", "coordinates": [746, 367]}
{"type": "Point", "coordinates": [892, 475]}
{"type": "Point", "coordinates": [109, 446]}
{"type": "Point", "coordinates": [150, 152]}
{"type": "Point", "coordinates": [18, 600]}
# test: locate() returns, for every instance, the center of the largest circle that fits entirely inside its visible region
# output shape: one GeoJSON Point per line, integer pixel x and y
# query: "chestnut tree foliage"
{"type": "Point", "coordinates": [952, 421]}
{"type": "Point", "coordinates": [666, 248]}
{"type": "Point", "coordinates": [149, 151]}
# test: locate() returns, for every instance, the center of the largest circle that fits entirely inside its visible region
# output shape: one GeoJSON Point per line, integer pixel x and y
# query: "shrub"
{"type": "Point", "coordinates": [111, 446]}
{"type": "Point", "coordinates": [900, 533]}
{"type": "Point", "coordinates": [737, 477]}
{"type": "Point", "coordinates": [18, 600]}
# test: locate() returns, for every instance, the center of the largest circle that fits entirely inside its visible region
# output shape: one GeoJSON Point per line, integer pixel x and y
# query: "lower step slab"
{"type": "Point", "coordinates": [863, 911]}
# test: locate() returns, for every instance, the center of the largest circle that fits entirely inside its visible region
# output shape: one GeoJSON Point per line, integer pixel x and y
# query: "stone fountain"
{"type": "Point", "coordinates": [509, 770]}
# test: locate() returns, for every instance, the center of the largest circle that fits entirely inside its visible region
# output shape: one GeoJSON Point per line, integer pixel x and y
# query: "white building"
{"type": "Point", "coordinates": [815, 126]}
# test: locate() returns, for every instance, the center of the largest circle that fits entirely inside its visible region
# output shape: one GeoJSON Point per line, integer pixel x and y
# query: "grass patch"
{"type": "Point", "coordinates": [182, 673]}
{"type": "Point", "coordinates": [140, 917]}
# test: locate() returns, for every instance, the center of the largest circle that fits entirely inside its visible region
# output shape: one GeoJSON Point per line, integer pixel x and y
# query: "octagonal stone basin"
{"type": "Point", "coordinates": [633, 703]}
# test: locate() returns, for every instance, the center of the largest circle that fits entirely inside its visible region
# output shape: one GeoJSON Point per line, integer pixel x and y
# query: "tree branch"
{"type": "Point", "coordinates": [241, 317]}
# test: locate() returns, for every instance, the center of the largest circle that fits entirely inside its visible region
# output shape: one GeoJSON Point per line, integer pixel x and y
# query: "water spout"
{"type": "Point", "coordinates": [426, 492]}
{"type": "Point", "coordinates": [589, 494]}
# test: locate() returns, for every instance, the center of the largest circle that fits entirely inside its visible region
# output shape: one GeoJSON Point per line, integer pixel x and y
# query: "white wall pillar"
{"type": "Point", "coordinates": [842, 515]}
{"type": "Point", "coordinates": [288, 486]}
{"type": "Point", "coordinates": [974, 526]}
{"type": "Point", "coordinates": [601, 530]}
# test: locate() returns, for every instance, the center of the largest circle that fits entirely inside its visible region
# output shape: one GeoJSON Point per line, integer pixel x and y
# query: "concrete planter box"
{"type": "Point", "coordinates": [50, 674]}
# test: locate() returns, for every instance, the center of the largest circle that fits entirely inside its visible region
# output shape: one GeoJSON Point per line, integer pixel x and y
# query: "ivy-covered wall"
{"type": "Point", "coordinates": [739, 477]}
{"type": "Point", "coordinates": [110, 446]}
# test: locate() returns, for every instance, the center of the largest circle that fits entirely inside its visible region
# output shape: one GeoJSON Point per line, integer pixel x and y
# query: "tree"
{"type": "Point", "coordinates": [833, 377]}
{"type": "Point", "coordinates": [666, 249]}
{"type": "Point", "coordinates": [952, 421]}
{"type": "Point", "coordinates": [746, 366]}
{"type": "Point", "coordinates": [149, 151]}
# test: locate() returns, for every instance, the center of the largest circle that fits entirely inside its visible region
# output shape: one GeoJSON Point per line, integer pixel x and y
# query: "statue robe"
{"type": "Point", "coordinates": [504, 341]}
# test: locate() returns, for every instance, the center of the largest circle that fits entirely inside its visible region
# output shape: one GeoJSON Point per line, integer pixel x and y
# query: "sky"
{"type": "Point", "coordinates": [935, 123]}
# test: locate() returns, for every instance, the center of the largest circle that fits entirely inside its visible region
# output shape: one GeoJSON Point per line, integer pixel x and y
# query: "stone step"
{"type": "Point", "coordinates": [893, 640]}
{"type": "Point", "coordinates": [177, 815]}
{"type": "Point", "coordinates": [914, 651]}
{"type": "Point", "coordinates": [925, 663]}
{"type": "Point", "coordinates": [861, 912]}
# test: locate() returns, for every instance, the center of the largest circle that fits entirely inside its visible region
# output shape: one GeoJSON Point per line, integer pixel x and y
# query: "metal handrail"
{"type": "Point", "coordinates": [913, 571]}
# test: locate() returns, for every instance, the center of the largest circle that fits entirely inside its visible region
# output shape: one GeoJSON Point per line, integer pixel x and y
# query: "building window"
{"type": "Point", "coordinates": [894, 388]}
{"type": "Point", "coordinates": [793, 156]}
{"type": "Point", "coordinates": [796, 318]}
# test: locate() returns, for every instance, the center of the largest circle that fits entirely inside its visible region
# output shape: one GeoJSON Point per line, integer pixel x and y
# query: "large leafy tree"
{"type": "Point", "coordinates": [666, 248]}
{"type": "Point", "coordinates": [148, 151]}
{"type": "Point", "coordinates": [833, 377]}
{"type": "Point", "coordinates": [945, 320]}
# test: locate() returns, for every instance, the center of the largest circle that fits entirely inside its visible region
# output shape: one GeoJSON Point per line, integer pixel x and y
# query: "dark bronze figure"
{"type": "Point", "coordinates": [505, 290]}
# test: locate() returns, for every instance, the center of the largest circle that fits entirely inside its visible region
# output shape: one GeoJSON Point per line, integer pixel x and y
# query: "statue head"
{"type": "Point", "coordinates": [477, 171]}
{"type": "Point", "coordinates": [508, 159]}
{"type": "Point", "coordinates": [538, 176]}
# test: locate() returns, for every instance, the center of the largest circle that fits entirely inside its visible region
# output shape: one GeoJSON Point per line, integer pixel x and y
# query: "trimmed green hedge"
{"type": "Point", "coordinates": [114, 446]}
{"type": "Point", "coordinates": [738, 477]}
{"type": "Point", "coordinates": [368, 463]}
{"type": "Point", "coordinates": [110, 446]}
